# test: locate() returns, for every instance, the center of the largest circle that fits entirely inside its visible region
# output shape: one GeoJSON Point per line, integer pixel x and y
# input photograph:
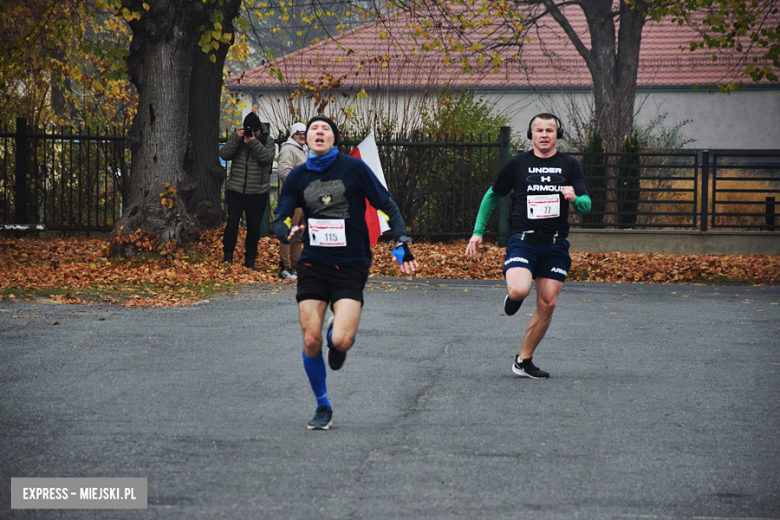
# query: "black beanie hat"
{"type": "Point", "coordinates": [332, 126]}
{"type": "Point", "coordinates": [252, 121]}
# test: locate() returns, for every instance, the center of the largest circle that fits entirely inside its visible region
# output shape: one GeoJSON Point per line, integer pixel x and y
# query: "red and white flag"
{"type": "Point", "coordinates": [368, 152]}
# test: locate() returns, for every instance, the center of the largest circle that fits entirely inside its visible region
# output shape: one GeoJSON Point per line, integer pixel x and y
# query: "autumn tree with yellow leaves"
{"type": "Point", "coordinates": [62, 63]}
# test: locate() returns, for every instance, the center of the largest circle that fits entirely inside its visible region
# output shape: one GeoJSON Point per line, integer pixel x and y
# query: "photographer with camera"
{"type": "Point", "coordinates": [251, 152]}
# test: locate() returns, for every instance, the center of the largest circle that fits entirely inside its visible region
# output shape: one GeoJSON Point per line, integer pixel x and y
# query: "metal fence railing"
{"type": "Point", "coordinates": [77, 180]}
{"type": "Point", "coordinates": [744, 189]}
{"type": "Point", "coordinates": [658, 190]}
{"type": "Point", "coordinates": [66, 180]}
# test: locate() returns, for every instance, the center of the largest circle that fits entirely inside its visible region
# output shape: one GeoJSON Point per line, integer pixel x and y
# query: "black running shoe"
{"type": "Point", "coordinates": [322, 419]}
{"type": "Point", "coordinates": [528, 369]}
{"type": "Point", "coordinates": [511, 306]}
{"type": "Point", "coordinates": [336, 358]}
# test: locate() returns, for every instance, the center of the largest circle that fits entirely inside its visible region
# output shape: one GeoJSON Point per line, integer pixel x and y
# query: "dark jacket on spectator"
{"type": "Point", "coordinates": [250, 169]}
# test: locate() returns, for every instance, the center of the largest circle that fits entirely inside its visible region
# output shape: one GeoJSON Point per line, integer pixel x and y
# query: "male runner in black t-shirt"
{"type": "Point", "coordinates": [545, 184]}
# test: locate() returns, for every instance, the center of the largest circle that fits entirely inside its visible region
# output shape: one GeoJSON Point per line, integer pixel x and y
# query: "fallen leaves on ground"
{"type": "Point", "coordinates": [82, 269]}
{"type": "Point", "coordinates": [446, 260]}
{"type": "Point", "coordinates": [163, 279]}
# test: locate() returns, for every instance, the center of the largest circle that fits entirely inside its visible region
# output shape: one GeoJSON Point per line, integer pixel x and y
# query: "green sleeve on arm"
{"type": "Point", "coordinates": [581, 204]}
{"type": "Point", "coordinates": [489, 203]}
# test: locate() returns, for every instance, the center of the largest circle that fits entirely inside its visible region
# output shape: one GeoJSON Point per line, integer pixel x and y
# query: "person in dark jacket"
{"type": "Point", "coordinates": [251, 152]}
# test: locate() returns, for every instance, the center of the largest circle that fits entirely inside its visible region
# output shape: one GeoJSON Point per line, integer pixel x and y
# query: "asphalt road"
{"type": "Point", "coordinates": [663, 404]}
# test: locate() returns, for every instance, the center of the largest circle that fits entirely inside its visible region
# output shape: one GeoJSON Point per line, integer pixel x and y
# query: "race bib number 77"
{"type": "Point", "coordinates": [544, 206]}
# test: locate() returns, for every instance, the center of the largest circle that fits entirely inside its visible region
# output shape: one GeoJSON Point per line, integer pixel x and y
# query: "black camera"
{"type": "Point", "coordinates": [249, 132]}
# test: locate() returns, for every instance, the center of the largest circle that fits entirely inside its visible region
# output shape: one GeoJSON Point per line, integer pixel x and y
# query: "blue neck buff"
{"type": "Point", "coordinates": [320, 162]}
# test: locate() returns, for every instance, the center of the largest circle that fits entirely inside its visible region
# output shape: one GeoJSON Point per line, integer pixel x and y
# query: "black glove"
{"type": "Point", "coordinates": [402, 253]}
{"type": "Point", "coordinates": [263, 138]}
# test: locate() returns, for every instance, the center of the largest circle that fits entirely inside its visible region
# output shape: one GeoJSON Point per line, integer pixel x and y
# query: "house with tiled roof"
{"type": "Point", "coordinates": [365, 65]}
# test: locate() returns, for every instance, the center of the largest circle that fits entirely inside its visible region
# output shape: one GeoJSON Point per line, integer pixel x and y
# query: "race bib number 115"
{"type": "Point", "coordinates": [327, 232]}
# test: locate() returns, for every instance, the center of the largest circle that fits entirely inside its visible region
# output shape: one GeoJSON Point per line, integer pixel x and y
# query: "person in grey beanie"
{"type": "Point", "coordinates": [292, 153]}
{"type": "Point", "coordinates": [332, 188]}
{"type": "Point", "coordinates": [251, 152]}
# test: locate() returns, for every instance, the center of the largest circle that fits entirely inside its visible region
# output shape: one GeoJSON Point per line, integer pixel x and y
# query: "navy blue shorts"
{"type": "Point", "coordinates": [544, 261]}
{"type": "Point", "coordinates": [329, 283]}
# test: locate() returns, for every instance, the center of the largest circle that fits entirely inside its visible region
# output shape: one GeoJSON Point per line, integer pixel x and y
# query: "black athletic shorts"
{"type": "Point", "coordinates": [544, 261]}
{"type": "Point", "coordinates": [329, 283]}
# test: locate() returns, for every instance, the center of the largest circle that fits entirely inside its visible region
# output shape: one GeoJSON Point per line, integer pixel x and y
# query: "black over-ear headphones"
{"type": "Point", "coordinates": [559, 133]}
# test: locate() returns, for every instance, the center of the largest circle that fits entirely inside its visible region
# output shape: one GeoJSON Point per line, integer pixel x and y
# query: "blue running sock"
{"type": "Point", "coordinates": [315, 371]}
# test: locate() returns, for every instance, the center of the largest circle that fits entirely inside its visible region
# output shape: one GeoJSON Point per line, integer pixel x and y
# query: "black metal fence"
{"type": "Point", "coordinates": [712, 189]}
{"type": "Point", "coordinates": [66, 180]}
{"type": "Point", "coordinates": [76, 181]}
{"type": "Point", "coordinates": [743, 191]}
{"type": "Point", "coordinates": [642, 190]}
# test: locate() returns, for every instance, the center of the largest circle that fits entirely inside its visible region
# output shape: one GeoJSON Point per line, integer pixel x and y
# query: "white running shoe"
{"type": "Point", "coordinates": [287, 275]}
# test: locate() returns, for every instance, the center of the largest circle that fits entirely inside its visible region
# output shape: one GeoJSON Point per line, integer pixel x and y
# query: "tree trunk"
{"type": "Point", "coordinates": [205, 174]}
{"type": "Point", "coordinates": [602, 63]}
{"type": "Point", "coordinates": [160, 63]}
{"type": "Point", "coordinates": [613, 62]}
{"type": "Point", "coordinates": [629, 43]}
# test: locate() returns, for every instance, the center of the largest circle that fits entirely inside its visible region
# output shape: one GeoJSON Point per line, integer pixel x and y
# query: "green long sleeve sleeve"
{"type": "Point", "coordinates": [486, 208]}
{"type": "Point", "coordinates": [581, 204]}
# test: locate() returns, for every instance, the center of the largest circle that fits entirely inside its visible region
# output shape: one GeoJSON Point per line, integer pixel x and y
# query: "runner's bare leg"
{"type": "Point", "coordinates": [547, 291]}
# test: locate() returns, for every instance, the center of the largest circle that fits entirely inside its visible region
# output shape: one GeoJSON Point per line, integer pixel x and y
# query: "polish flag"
{"type": "Point", "coordinates": [368, 152]}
